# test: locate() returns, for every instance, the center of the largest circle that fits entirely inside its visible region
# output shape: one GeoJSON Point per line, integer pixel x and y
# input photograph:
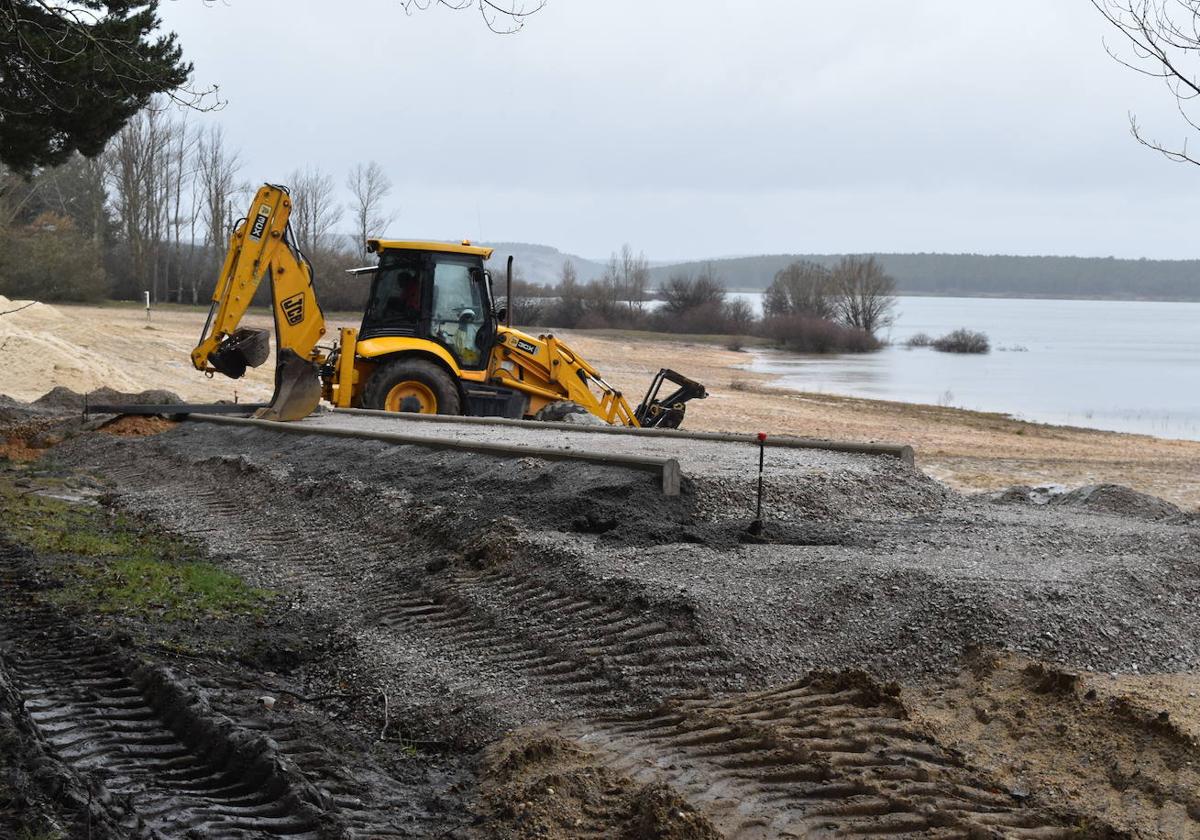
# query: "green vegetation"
{"type": "Point", "coordinates": [178, 591]}
{"type": "Point", "coordinates": [118, 566]}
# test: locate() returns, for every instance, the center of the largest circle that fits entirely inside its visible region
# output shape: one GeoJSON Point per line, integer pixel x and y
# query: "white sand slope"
{"type": "Point", "coordinates": [88, 347]}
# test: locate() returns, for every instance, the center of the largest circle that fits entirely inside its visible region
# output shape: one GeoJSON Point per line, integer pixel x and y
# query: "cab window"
{"type": "Point", "coordinates": [395, 305]}
{"type": "Point", "coordinates": [458, 313]}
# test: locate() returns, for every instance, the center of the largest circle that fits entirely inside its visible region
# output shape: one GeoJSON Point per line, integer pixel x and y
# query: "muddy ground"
{"type": "Point", "coordinates": [448, 645]}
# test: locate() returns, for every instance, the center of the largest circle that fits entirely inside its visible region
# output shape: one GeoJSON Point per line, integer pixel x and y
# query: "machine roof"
{"type": "Point", "coordinates": [464, 247]}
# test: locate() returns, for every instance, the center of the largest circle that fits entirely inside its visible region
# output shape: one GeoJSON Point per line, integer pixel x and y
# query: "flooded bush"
{"type": "Point", "coordinates": [962, 341]}
{"type": "Point", "coordinates": [805, 334]}
{"type": "Point", "coordinates": [919, 340]}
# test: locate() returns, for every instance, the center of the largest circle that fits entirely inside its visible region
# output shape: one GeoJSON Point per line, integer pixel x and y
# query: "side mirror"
{"type": "Point", "coordinates": [502, 314]}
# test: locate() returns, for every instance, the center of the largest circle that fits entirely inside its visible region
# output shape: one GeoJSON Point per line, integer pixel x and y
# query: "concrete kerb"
{"type": "Point", "coordinates": [666, 468]}
{"type": "Point", "coordinates": [903, 452]}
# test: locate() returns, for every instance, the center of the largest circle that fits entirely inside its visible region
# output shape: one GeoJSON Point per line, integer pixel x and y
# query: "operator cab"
{"type": "Point", "coordinates": [433, 290]}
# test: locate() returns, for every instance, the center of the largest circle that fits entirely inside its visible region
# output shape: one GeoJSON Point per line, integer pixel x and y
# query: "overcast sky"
{"type": "Point", "coordinates": [712, 127]}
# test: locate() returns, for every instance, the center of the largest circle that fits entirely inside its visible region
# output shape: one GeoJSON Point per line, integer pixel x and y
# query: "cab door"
{"type": "Point", "coordinates": [460, 316]}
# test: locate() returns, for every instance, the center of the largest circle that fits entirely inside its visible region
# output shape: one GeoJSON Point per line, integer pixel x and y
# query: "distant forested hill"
{"type": "Point", "coordinates": [968, 275]}
{"type": "Point", "coordinates": [540, 263]}
{"type": "Point", "coordinates": [975, 275]}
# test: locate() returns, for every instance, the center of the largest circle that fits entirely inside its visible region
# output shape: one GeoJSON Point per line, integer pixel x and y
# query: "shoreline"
{"type": "Point", "coordinates": [85, 347]}
{"type": "Point", "coordinates": [970, 451]}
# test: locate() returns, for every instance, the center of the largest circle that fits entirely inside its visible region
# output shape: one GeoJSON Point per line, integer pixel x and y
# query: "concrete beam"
{"type": "Point", "coordinates": [667, 469]}
{"type": "Point", "coordinates": [889, 450]}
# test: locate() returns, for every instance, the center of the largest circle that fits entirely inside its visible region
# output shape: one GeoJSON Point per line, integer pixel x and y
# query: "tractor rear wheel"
{"type": "Point", "coordinates": [413, 385]}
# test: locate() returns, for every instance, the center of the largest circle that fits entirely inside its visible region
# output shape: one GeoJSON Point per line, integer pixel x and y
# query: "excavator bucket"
{"type": "Point", "coordinates": [297, 389]}
{"type": "Point", "coordinates": [247, 347]}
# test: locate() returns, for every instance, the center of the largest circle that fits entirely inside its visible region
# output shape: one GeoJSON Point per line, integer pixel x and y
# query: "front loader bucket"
{"type": "Point", "coordinates": [297, 389]}
{"type": "Point", "coordinates": [667, 412]}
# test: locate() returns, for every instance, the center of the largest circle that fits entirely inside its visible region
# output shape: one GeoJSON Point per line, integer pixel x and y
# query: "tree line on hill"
{"type": "Point", "coordinates": [979, 275]}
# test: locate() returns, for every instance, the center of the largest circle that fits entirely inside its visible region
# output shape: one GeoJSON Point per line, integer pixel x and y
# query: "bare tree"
{"type": "Point", "coordinates": [504, 18]}
{"type": "Point", "coordinates": [684, 293]}
{"type": "Point", "coordinates": [370, 186]}
{"type": "Point", "coordinates": [315, 210]}
{"type": "Point", "coordinates": [802, 288]}
{"type": "Point", "coordinates": [215, 186]}
{"type": "Point", "coordinates": [180, 205]}
{"type": "Point", "coordinates": [77, 189]}
{"type": "Point", "coordinates": [863, 293]}
{"type": "Point", "coordinates": [138, 160]}
{"type": "Point", "coordinates": [626, 279]}
{"type": "Point", "coordinates": [635, 278]}
{"type": "Point", "coordinates": [1161, 39]}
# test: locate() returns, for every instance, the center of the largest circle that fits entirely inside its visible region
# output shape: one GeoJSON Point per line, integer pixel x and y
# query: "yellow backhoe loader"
{"type": "Point", "coordinates": [432, 339]}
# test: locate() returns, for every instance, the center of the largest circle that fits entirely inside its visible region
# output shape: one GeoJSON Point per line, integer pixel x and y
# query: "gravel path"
{"type": "Point", "coordinates": [697, 458]}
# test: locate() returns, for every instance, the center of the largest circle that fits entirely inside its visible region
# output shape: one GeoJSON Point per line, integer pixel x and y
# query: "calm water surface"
{"type": "Point", "coordinates": [1119, 365]}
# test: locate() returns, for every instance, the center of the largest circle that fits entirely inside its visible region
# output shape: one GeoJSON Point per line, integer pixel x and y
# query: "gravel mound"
{"type": "Point", "coordinates": [1100, 498]}
{"type": "Point", "coordinates": [64, 398]}
{"type": "Point", "coordinates": [1114, 498]}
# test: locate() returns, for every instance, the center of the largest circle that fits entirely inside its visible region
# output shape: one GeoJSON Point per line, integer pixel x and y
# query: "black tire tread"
{"type": "Point", "coordinates": [385, 377]}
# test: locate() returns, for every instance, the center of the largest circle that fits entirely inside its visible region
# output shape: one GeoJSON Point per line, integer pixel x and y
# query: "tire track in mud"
{"type": "Point", "coordinates": [166, 762]}
{"type": "Point", "coordinates": [570, 645]}
{"type": "Point", "coordinates": [831, 756]}
{"type": "Point", "coordinates": [573, 644]}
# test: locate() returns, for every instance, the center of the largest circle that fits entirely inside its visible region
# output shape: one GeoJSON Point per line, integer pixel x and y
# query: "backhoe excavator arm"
{"type": "Point", "coordinates": [260, 247]}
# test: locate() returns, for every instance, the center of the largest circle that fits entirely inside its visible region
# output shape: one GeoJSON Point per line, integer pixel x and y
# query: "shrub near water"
{"type": "Point", "coordinates": [804, 334]}
{"type": "Point", "coordinates": [962, 341]}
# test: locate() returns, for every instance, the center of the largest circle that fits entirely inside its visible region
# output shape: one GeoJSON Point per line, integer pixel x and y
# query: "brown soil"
{"type": "Point", "coordinates": [132, 425]}
{"type": "Point", "coordinates": [538, 784]}
{"type": "Point", "coordinates": [18, 449]}
{"type": "Point", "coordinates": [1121, 751]}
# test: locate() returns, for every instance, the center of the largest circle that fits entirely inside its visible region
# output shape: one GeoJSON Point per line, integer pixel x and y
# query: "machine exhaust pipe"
{"type": "Point", "coordinates": [508, 308]}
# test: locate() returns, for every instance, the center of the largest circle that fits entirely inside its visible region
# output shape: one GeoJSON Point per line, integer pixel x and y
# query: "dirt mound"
{"type": "Point", "coordinates": [35, 349]}
{"type": "Point", "coordinates": [132, 425]}
{"type": "Point", "coordinates": [27, 313]}
{"type": "Point", "coordinates": [830, 756]}
{"type": "Point", "coordinates": [542, 785]}
{"type": "Point", "coordinates": [61, 397]}
{"type": "Point", "coordinates": [1108, 752]}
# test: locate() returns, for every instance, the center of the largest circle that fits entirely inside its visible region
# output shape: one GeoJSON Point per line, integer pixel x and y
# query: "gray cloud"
{"type": "Point", "coordinates": [694, 129]}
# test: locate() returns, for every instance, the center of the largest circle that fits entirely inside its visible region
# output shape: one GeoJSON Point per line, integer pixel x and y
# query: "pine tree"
{"type": "Point", "coordinates": [72, 75]}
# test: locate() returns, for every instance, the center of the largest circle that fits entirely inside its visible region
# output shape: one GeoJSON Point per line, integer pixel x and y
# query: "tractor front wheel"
{"type": "Point", "coordinates": [413, 385]}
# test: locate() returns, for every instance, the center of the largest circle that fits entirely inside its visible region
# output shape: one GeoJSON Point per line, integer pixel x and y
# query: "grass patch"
{"type": "Point", "coordinates": [119, 566]}
{"type": "Point", "coordinates": [173, 591]}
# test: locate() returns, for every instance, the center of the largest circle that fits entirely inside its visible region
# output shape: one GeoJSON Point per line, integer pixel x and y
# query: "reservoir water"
{"type": "Point", "coordinates": [1128, 366]}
